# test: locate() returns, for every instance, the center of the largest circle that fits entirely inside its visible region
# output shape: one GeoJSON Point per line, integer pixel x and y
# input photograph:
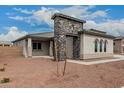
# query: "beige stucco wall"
{"type": "Point", "coordinates": [87, 47]}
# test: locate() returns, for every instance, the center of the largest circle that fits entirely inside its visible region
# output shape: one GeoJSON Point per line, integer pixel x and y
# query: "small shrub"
{"type": "Point", "coordinates": [5, 64]}
{"type": "Point", "coordinates": [2, 69]}
{"type": "Point", "coordinates": [5, 80]}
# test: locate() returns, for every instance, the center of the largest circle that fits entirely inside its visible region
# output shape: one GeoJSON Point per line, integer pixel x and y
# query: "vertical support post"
{"type": "Point", "coordinates": [29, 47]}
{"type": "Point", "coordinates": [56, 59]}
{"type": "Point", "coordinates": [65, 62]}
{"type": "Point", "coordinates": [24, 49]}
{"type": "Point", "coordinates": [51, 48]}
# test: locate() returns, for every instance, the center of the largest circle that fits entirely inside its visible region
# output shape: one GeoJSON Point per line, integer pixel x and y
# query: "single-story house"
{"type": "Point", "coordinates": [5, 43]}
{"type": "Point", "coordinates": [71, 41]}
{"type": "Point", "coordinates": [119, 45]}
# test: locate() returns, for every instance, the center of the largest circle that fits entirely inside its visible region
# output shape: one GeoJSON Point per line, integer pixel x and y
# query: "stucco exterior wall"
{"type": "Point", "coordinates": [87, 46]}
{"type": "Point", "coordinates": [44, 51]}
{"type": "Point", "coordinates": [23, 44]}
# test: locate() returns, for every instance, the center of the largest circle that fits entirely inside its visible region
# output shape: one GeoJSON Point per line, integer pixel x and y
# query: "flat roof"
{"type": "Point", "coordinates": [119, 38]}
{"type": "Point", "coordinates": [43, 35]}
{"type": "Point", "coordinates": [90, 32]}
{"type": "Point", "coordinates": [67, 17]}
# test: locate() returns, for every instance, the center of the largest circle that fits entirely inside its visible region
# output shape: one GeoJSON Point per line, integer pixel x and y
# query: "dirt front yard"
{"type": "Point", "coordinates": [40, 72]}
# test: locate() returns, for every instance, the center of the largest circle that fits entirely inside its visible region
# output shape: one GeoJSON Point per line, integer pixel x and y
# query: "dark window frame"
{"type": "Point", "coordinates": [105, 46]}
{"type": "Point", "coordinates": [96, 45]}
{"type": "Point", "coordinates": [101, 46]}
{"type": "Point", "coordinates": [37, 47]}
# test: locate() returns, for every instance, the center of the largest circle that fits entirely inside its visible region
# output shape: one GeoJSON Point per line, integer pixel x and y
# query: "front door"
{"type": "Point", "coordinates": [69, 47]}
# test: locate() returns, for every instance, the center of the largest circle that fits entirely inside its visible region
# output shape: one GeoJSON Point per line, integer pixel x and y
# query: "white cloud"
{"type": "Point", "coordinates": [96, 14]}
{"type": "Point", "coordinates": [20, 18]}
{"type": "Point", "coordinates": [113, 27]}
{"type": "Point", "coordinates": [25, 11]}
{"type": "Point", "coordinates": [43, 15]}
{"type": "Point", "coordinates": [13, 33]}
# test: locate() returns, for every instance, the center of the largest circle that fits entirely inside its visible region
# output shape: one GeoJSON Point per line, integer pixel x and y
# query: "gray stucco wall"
{"type": "Point", "coordinates": [63, 26]}
{"type": "Point", "coordinates": [44, 51]}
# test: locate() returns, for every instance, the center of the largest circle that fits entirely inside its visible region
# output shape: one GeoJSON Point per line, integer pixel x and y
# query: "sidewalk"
{"type": "Point", "coordinates": [115, 58]}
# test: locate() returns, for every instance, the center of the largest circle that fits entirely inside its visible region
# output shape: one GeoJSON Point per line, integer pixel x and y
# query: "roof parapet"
{"type": "Point", "coordinates": [67, 17]}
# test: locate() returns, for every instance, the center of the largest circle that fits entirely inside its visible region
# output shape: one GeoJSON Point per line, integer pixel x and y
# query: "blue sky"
{"type": "Point", "coordinates": [16, 21]}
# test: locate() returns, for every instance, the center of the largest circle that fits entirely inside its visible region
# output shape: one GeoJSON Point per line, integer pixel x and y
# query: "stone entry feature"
{"type": "Point", "coordinates": [65, 25]}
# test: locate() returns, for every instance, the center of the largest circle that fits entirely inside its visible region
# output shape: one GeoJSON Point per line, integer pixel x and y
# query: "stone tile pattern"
{"type": "Point", "coordinates": [63, 26]}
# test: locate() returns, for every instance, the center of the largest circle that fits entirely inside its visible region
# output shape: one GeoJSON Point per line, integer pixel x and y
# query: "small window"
{"type": "Point", "coordinates": [37, 46]}
{"type": "Point", "coordinates": [96, 45]}
{"type": "Point", "coordinates": [101, 45]}
{"type": "Point", "coordinates": [105, 46]}
{"type": "Point", "coordinates": [34, 45]}
{"type": "Point", "coordinates": [114, 43]}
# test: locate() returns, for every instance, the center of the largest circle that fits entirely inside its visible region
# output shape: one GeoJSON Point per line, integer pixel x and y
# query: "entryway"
{"type": "Point", "coordinates": [69, 47]}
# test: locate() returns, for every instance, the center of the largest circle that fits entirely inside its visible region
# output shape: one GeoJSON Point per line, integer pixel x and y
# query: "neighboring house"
{"type": "Point", "coordinates": [119, 45]}
{"type": "Point", "coordinates": [5, 43]}
{"type": "Point", "coordinates": [70, 37]}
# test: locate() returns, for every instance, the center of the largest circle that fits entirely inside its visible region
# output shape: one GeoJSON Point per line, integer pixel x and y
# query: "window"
{"type": "Point", "coordinates": [34, 45]}
{"type": "Point", "coordinates": [105, 45]}
{"type": "Point", "coordinates": [37, 46]}
{"type": "Point", "coordinates": [96, 45]}
{"type": "Point", "coordinates": [114, 43]}
{"type": "Point", "coordinates": [101, 44]}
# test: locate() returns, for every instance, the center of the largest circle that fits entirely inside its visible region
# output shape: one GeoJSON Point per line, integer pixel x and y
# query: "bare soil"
{"type": "Point", "coordinates": [40, 73]}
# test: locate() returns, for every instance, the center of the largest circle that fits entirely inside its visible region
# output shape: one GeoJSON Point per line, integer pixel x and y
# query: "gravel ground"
{"type": "Point", "coordinates": [40, 73]}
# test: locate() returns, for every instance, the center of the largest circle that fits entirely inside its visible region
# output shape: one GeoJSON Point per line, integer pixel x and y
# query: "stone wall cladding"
{"type": "Point", "coordinates": [63, 26]}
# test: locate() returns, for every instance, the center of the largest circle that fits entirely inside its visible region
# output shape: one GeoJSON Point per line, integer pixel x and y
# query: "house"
{"type": "Point", "coordinates": [69, 39]}
{"type": "Point", "coordinates": [119, 45]}
{"type": "Point", "coordinates": [5, 44]}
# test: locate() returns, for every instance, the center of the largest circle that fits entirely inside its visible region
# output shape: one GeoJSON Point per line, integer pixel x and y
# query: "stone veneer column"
{"type": "Point", "coordinates": [29, 47]}
{"type": "Point", "coordinates": [60, 38]}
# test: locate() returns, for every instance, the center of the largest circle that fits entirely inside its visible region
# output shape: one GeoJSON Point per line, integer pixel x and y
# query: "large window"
{"type": "Point", "coordinates": [105, 46]}
{"type": "Point", "coordinates": [101, 44]}
{"type": "Point", "coordinates": [96, 45]}
{"type": "Point", "coordinates": [37, 46]}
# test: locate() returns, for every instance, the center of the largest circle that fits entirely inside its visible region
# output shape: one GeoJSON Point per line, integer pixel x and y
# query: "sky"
{"type": "Point", "coordinates": [17, 21]}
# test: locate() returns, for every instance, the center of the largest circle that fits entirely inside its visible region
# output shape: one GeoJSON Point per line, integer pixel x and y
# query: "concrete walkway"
{"type": "Point", "coordinates": [42, 57]}
{"type": "Point", "coordinates": [115, 58]}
